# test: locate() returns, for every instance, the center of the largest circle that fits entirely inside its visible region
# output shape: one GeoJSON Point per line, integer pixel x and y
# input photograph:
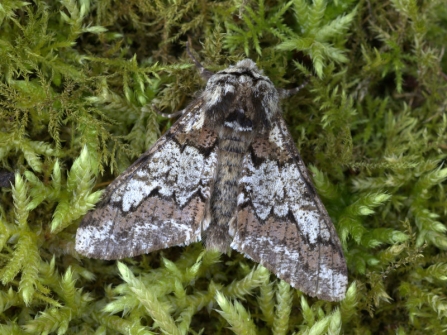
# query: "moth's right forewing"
{"type": "Point", "coordinates": [282, 223]}
{"type": "Point", "coordinates": [160, 201]}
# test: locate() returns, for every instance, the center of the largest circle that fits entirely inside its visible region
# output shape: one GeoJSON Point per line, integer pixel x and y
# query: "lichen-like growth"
{"type": "Point", "coordinates": [78, 81]}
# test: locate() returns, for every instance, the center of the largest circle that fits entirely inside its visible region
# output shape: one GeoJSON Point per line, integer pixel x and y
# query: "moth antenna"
{"type": "Point", "coordinates": [204, 73]}
{"type": "Point", "coordinates": [167, 115]}
{"type": "Point", "coordinates": [287, 93]}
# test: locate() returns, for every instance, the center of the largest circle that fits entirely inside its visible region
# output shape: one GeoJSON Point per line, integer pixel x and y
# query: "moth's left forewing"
{"type": "Point", "coordinates": [282, 223]}
{"type": "Point", "coordinates": [161, 200]}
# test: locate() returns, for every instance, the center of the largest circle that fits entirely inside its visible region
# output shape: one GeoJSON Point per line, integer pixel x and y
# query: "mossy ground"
{"type": "Point", "coordinates": [78, 80]}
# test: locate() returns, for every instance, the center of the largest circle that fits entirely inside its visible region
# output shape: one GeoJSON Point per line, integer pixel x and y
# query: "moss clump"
{"type": "Point", "coordinates": [77, 82]}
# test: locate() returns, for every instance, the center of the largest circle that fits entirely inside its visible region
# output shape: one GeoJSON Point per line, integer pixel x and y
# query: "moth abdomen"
{"type": "Point", "coordinates": [233, 145]}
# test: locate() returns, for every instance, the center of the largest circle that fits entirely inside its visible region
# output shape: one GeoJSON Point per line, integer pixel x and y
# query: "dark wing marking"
{"type": "Point", "coordinates": [281, 222]}
{"type": "Point", "coordinates": [161, 200]}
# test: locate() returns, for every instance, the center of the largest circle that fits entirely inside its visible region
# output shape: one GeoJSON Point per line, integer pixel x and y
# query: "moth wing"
{"type": "Point", "coordinates": [281, 222]}
{"type": "Point", "coordinates": [161, 200]}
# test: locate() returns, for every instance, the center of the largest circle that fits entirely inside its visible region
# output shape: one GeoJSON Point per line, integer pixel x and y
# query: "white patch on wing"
{"type": "Point", "coordinates": [266, 188]}
{"type": "Point", "coordinates": [275, 136]}
{"type": "Point", "coordinates": [265, 247]}
{"type": "Point", "coordinates": [281, 209]}
{"type": "Point", "coordinates": [199, 124]}
{"type": "Point", "coordinates": [241, 199]}
{"type": "Point", "coordinates": [88, 237]}
{"type": "Point", "coordinates": [147, 180]}
{"type": "Point", "coordinates": [194, 121]}
{"type": "Point", "coordinates": [189, 174]}
{"type": "Point", "coordinates": [170, 171]}
{"type": "Point", "coordinates": [140, 233]}
{"type": "Point", "coordinates": [207, 174]}
{"type": "Point", "coordinates": [309, 223]}
{"type": "Point", "coordinates": [305, 212]}
{"type": "Point", "coordinates": [334, 280]}
{"type": "Point", "coordinates": [281, 190]}
{"type": "Point", "coordinates": [135, 191]}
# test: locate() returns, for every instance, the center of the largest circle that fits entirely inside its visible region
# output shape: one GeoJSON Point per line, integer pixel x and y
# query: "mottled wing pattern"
{"type": "Point", "coordinates": [161, 200]}
{"type": "Point", "coordinates": [281, 222]}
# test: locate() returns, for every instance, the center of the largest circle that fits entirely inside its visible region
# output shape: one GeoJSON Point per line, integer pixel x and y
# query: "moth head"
{"type": "Point", "coordinates": [241, 97]}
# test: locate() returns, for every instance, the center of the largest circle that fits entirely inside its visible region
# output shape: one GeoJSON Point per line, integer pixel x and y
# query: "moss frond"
{"type": "Point", "coordinates": [19, 259]}
{"type": "Point", "coordinates": [77, 197]}
{"type": "Point", "coordinates": [240, 288]}
{"type": "Point", "coordinates": [284, 297]}
{"type": "Point", "coordinates": [266, 300]}
{"type": "Point", "coordinates": [348, 305]}
{"type": "Point", "coordinates": [12, 329]}
{"type": "Point", "coordinates": [319, 38]}
{"type": "Point", "coordinates": [148, 299]}
{"type": "Point", "coordinates": [350, 222]}
{"type": "Point", "coordinates": [236, 315]}
{"type": "Point", "coordinates": [51, 320]}
{"type": "Point", "coordinates": [259, 24]}
{"type": "Point", "coordinates": [115, 323]}
{"type": "Point", "coordinates": [30, 274]}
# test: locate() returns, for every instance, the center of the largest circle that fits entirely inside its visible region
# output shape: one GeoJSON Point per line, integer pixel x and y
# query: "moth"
{"type": "Point", "coordinates": [226, 173]}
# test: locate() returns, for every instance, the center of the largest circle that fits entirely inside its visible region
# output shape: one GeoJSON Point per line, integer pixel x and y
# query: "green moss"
{"type": "Point", "coordinates": [78, 81]}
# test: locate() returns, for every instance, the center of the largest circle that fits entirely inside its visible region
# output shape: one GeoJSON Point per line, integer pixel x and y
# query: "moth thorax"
{"type": "Point", "coordinates": [237, 120]}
